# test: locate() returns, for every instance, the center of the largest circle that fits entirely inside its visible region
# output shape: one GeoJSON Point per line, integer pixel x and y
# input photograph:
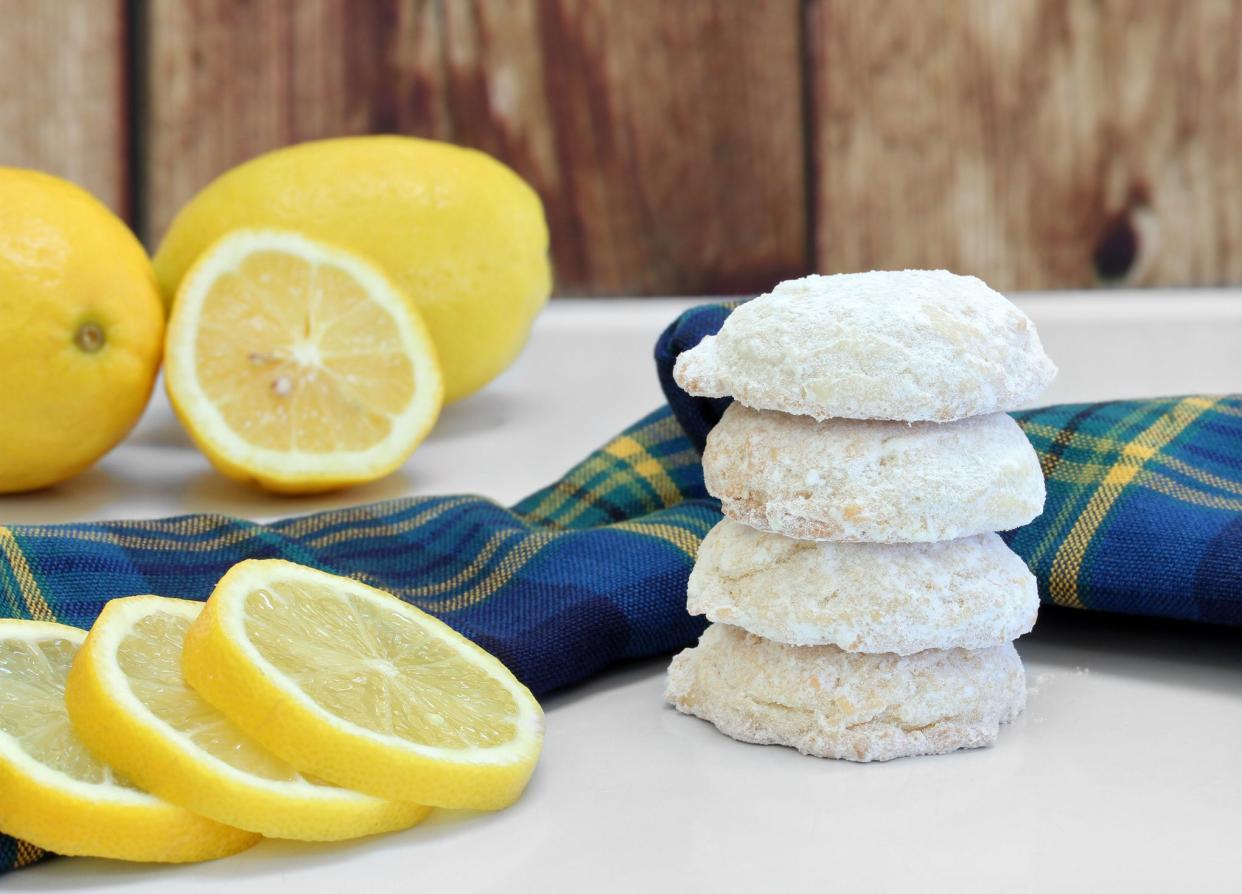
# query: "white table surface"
{"type": "Point", "coordinates": [1125, 773]}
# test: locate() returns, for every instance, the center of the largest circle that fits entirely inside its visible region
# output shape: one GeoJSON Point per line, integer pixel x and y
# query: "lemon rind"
{"type": "Point", "coordinates": [119, 728]}
{"type": "Point", "coordinates": [64, 815]}
{"type": "Point", "coordinates": [229, 672]}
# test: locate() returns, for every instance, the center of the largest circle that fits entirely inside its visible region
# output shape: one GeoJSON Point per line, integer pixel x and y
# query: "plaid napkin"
{"type": "Point", "coordinates": [1144, 515]}
{"type": "Point", "coordinates": [582, 574]}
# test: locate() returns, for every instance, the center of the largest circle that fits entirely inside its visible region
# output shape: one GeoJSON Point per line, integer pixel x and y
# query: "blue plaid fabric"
{"type": "Point", "coordinates": [1144, 515]}
{"type": "Point", "coordinates": [584, 573]}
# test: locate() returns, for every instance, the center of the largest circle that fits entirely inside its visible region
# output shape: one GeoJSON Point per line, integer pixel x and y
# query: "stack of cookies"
{"type": "Point", "coordinates": [863, 606]}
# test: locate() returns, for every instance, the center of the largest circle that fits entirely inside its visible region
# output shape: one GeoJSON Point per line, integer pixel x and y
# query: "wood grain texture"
{"type": "Point", "coordinates": [665, 136]}
{"type": "Point", "coordinates": [1036, 143]}
{"type": "Point", "coordinates": [62, 106]}
{"type": "Point", "coordinates": [231, 79]}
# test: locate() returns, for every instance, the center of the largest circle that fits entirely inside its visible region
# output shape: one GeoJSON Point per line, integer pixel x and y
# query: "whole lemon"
{"type": "Point", "coordinates": [81, 329]}
{"type": "Point", "coordinates": [456, 230]}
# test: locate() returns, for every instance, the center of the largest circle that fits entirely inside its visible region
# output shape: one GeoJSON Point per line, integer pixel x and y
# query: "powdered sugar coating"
{"type": "Point", "coordinates": [884, 482]}
{"type": "Point", "coordinates": [971, 593]}
{"type": "Point", "coordinates": [849, 705]}
{"type": "Point", "coordinates": [890, 344]}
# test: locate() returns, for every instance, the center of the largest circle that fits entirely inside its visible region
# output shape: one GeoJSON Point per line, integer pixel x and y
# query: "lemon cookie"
{"type": "Point", "coordinates": [892, 344]}
{"type": "Point", "coordinates": [970, 593]}
{"type": "Point", "coordinates": [888, 482]}
{"type": "Point", "coordinates": [849, 705]}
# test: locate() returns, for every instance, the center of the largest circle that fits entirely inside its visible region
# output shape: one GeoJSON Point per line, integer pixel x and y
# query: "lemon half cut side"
{"type": "Point", "coordinates": [299, 365]}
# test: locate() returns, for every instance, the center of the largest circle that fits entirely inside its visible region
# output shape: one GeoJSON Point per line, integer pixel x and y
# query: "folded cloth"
{"type": "Point", "coordinates": [1144, 515]}
{"type": "Point", "coordinates": [582, 574]}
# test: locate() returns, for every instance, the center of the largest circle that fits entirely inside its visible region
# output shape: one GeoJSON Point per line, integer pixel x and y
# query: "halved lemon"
{"type": "Point", "coordinates": [55, 793]}
{"type": "Point", "coordinates": [355, 686]}
{"type": "Point", "coordinates": [130, 704]}
{"type": "Point", "coordinates": [299, 365]}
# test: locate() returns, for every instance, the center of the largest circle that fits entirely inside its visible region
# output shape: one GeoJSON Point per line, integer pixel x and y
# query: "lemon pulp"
{"type": "Point", "coordinates": [60, 796]}
{"type": "Point", "coordinates": [362, 689]}
{"type": "Point", "coordinates": [32, 709]}
{"type": "Point", "coordinates": [150, 657]}
{"type": "Point", "coordinates": [377, 668]}
{"type": "Point", "coordinates": [298, 365]}
{"type": "Point", "coordinates": [321, 372]}
{"type": "Point", "coordinates": [130, 703]}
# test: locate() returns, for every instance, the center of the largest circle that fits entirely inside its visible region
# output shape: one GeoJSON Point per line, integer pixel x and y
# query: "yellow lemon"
{"type": "Point", "coordinates": [299, 365]}
{"type": "Point", "coordinates": [457, 231]}
{"type": "Point", "coordinates": [357, 687]}
{"type": "Point", "coordinates": [130, 705]}
{"type": "Point", "coordinates": [81, 328]}
{"type": "Point", "coordinates": [56, 794]}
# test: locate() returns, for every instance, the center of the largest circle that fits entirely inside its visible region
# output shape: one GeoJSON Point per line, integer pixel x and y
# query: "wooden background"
{"type": "Point", "coordinates": [692, 146]}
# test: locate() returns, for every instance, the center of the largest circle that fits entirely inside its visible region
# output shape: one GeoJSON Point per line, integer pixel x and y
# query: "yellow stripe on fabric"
{"type": "Point", "coordinates": [565, 490]}
{"type": "Point", "coordinates": [1070, 472]}
{"type": "Point", "coordinates": [338, 537]}
{"type": "Point", "coordinates": [1067, 563]}
{"type": "Point", "coordinates": [27, 853]}
{"type": "Point", "coordinates": [530, 546]}
{"type": "Point", "coordinates": [624, 448]}
{"type": "Point", "coordinates": [1163, 484]}
{"type": "Point", "coordinates": [1085, 473]}
{"type": "Point", "coordinates": [150, 541]}
{"type": "Point", "coordinates": [636, 459]}
{"type": "Point", "coordinates": [476, 565]}
{"type": "Point", "coordinates": [1079, 439]}
{"type": "Point", "coordinates": [309, 524]}
{"type": "Point", "coordinates": [1229, 410]}
{"type": "Point", "coordinates": [582, 506]}
{"type": "Point", "coordinates": [235, 535]}
{"type": "Point", "coordinates": [686, 541]}
{"type": "Point", "coordinates": [616, 478]}
{"type": "Point", "coordinates": [1201, 475]}
{"type": "Point", "coordinates": [36, 605]}
{"type": "Point", "coordinates": [650, 468]}
{"type": "Point", "coordinates": [510, 565]}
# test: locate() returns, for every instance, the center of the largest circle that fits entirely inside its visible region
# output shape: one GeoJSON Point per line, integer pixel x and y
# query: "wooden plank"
{"type": "Point", "coordinates": [1036, 144]}
{"type": "Point", "coordinates": [230, 79]}
{"type": "Point", "coordinates": [62, 108]}
{"type": "Point", "coordinates": [664, 135]}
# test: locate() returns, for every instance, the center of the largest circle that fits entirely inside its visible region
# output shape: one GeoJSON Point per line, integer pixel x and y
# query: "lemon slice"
{"type": "Point", "coordinates": [131, 705]}
{"type": "Point", "coordinates": [353, 685]}
{"type": "Point", "coordinates": [55, 794]}
{"type": "Point", "coordinates": [299, 365]}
